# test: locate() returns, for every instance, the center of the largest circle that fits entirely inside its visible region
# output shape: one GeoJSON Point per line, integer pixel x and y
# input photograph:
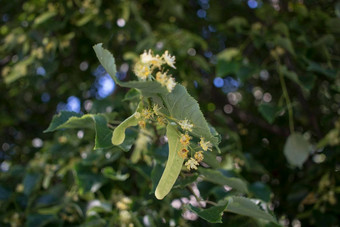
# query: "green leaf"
{"type": "Point", "coordinates": [31, 182]}
{"type": "Point", "coordinates": [226, 62]}
{"type": "Point", "coordinates": [244, 206]}
{"type": "Point", "coordinates": [173, 166]}
{"type": "Point", "coordinates": [297, 149]}
{"type": "Point", "coordinates": [98, 122]}
{"type": "Point", "coordinates": [39, 220]}
{"type": "Point", "coordinates": [44, 17]}
{"type": "Point", "coordinates": [213, 214]}
{"type": "Point", "coordinates": [132, 94]}
{"type": "Point", "coordinates": [210, 159]}
{"type": "Point", "coordinates": [289, 74]}
{"type": "Point", "coordinates": [107, 60]}
{"type": "Point", "coordinates": [64, 120]}
{"type": "Point", "coordinates": [261, 191]}
{"type": "Point", "coordinates": [4, 193]}
{"type": "Point", "coordinates": [182, 106]}
{"type": "Point", "coordinates": [285, 43]}
{"type": "Point", "coordinates": [88, 180]}
{"type": "Point", "coordinates": [228, 54]}
{"type": "Point", "coordinates": [118, 135]}
{"type": "Point", "coordinates": [182, 182]}
{"type": "Point", "coordinates": [269, 111]}
{"type": "Point", "coordinates": [110, 173]}
{"type": "Point", "coordinates": [315, 67]}
{"type": "Point", "coordinates": [217, 177]}
{"type": "Point", "coordinates": [98, 206]}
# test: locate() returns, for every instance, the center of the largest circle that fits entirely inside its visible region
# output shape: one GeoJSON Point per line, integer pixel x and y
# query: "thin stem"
{"type": "Point", "coordinates": [288, 102]}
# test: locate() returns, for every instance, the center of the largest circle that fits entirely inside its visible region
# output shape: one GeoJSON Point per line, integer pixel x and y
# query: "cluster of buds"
{"type": "Point", "coordinates": [125, 217]}
{"type": "Point", "coordinates": [149, 62]}
{"type": "Point", "coordinates": [185, 138]}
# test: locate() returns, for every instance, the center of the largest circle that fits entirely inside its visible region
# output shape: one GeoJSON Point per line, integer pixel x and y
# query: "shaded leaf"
{"type": "Point", "coordinates": [269, 111]}
{"type": "Point", "coordinates": [260, 190]}
{"type": "Point", "coordinates": [217, 177]}
{"type": "Point", "coordinates": [31, 182]}
{"type": "Point", "coordinates": [39, 220]}
{"type": "Point", "coordinates": [315, 67]}
{"type": "Point", "coordinates": [245, 206]}
{"type": "Point", "coordinates": [213, 214]}
{"type": "Point", "coordinates": [87, 180]}
{"type": "Point", "coordinates": [74, 120]}
{"type": "Point", "coordinates": [110, 173]}
{"type": "Point", "coordinates": [182, 182]}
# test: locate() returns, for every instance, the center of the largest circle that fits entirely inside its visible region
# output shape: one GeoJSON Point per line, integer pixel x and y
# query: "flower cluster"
{"type": "Point", "coordinates": [149, 114]}
{"type": "Point", "coordinates": [123, 206]}
{"type": "Point", "coordinates": [184, 139]}
{"type": "Point", "coordinates": [149, 62]}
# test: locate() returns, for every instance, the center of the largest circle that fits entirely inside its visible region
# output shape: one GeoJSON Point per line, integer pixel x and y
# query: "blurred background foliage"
{"type": "Point", "coordinates": [261, 70]}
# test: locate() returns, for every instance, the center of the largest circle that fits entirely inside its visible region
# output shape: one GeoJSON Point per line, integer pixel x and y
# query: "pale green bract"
{"type": "Point", "coordinates": [173, 166]}
{"type": "Point", "coordinates": [118, 134]}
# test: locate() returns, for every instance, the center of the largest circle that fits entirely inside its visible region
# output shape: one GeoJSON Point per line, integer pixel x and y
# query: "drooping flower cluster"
{"type": "Point", "coordinates": [149, 62]}
{"type": "Point", "coordinates": [184, 139]}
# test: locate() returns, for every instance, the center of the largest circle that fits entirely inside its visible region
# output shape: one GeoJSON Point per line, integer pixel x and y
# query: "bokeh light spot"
{"type": "Point", "coordinates": [218, 82]}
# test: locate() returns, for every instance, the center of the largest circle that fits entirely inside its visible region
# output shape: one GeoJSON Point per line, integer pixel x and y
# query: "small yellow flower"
{"type": "Point", "coordinates": [149, 59]}
{"type": "Point", "coordinates": [183, 153]}
{"type": "Point", "coordinates": [170, 60]}
{"type": "Point", "coordinates": [185, 139]}
{"type": "Point", "coordinates": [191, 164]}
{"type": "Point", "coordinates": [199, 156]}
{"type": "Point", "coordinates": [156, 108]}
{"type": "Point", "coordinates": [157, 61]}
{"type": "Point", "coordinates": [142, 71]}
{"type": "Point", "coordinates": [206, 145]}
{"type": "Point", "coordinates": [137, 115]}
{"type": "Point", "coordinates": [146, 57]}
{"type": "Point", "coordinates": [170, 84]}
{"type": "Point", "coordinates": [121, 205]}
{"type": "Point", "coordinates": [162, 78]}
{"type": "Point", "coordinates": [141, 124]}
{"type": "Point", "coordinates": [161, 121]}
{"type": "Point", "coordinates": [147, 114]}
{"type": "Point", "coordinates": [185, 125]}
